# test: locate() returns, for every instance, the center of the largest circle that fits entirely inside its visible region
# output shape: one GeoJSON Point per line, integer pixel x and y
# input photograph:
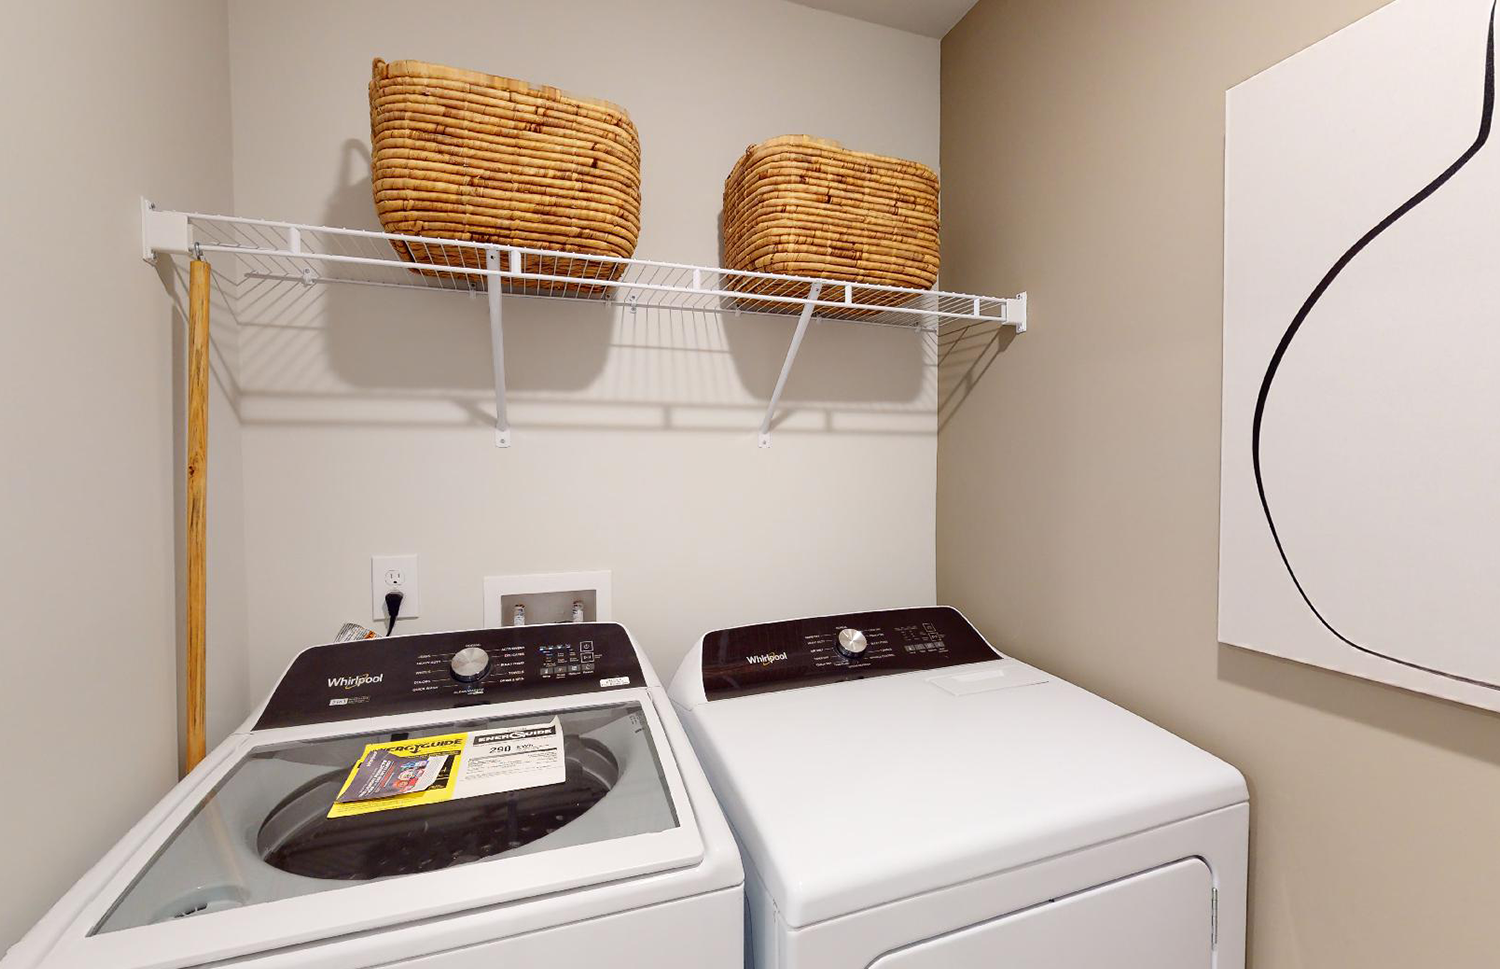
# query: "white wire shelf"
{"type": "Point", "coordinates": [311, 255]}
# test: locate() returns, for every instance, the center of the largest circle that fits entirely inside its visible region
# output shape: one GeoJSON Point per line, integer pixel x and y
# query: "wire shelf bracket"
{"type": "Point", "coordinates": [497, 351]}
{"type": "Point", "coordinates": [813, 292]}
{"type": "Point", "coordinates": [313, 255]}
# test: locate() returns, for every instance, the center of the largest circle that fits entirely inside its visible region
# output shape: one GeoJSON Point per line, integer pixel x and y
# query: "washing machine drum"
{"type": "Point", "coordinates": [265, 832]}
{"type": "Point", "coordinates": [299, 837]}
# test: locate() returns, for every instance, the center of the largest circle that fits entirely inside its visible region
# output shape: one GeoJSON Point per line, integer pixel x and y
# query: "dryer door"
{"type": "Point", "coordinates": [1160, 919]}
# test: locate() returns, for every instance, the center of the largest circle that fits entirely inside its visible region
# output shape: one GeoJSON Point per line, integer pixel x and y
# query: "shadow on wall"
{"type": "Point", "coordinates": [351, 354]}
{"type": "Point", "coordinates": [1443, 724]}
{"type": "Point", "coordinates": [387, 356]}
{"type": "Point", "coordinates": [965, 352]}
{"type": "Point", "coordinates": [758, 351]}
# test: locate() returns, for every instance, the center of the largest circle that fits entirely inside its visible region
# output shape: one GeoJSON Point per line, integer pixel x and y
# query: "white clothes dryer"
{"type": "Point", "coordinates": [524, 796]}
{"type": "Point", "coordinates": [905, 797]}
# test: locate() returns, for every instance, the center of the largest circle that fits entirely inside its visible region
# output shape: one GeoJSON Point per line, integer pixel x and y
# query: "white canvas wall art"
{"type": "Point", "coordinates": [1360, 491]}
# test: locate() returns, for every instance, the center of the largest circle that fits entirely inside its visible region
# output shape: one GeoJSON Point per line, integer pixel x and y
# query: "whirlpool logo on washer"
{"type": "Point", "coordinates": [355, 681]}
{"type": "Point", "coordinates": [765, 659]}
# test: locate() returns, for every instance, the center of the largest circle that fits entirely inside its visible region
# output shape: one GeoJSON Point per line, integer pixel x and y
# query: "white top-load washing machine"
{"type": "Point", "coordinates": [907, 798]}
{"type": "Point", "coordinates": [525, 797]}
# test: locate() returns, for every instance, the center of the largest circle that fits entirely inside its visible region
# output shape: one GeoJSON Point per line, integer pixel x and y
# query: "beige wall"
{"type": "Point", "coordinates": [110, 101]}
{"type": "Point", "coordinates": [1078, 480]}
{"type": "Point", "coordinates": [366, 410]}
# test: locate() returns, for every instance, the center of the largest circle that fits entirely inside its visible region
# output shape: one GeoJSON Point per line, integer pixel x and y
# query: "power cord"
{"type": "Point", "coordinates": [392, 609]}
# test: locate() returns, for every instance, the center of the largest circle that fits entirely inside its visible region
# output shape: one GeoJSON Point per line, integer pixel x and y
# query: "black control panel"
{"type": "Point", "coordinates": [434, 671]}
{"type": "Point", "coordinates": [828, 649]}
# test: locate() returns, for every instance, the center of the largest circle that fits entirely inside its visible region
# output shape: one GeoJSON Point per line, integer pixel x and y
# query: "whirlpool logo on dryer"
{"type": "Point", "coordinates": [765, 659]}
{"type": "Point", "coordinates": [355, 681]}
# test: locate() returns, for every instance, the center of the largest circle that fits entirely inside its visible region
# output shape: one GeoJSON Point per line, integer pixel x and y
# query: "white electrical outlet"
{"type": "Point", "coordinates": [394, 573]}
{"type": "Point", "coordinates": [547, 597]}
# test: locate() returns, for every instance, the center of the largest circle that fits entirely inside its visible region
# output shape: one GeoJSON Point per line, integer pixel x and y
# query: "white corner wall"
{"type": "Point", "coordinates": [113, 101]}
{"type": "Point", "coordinates": [366, 412]}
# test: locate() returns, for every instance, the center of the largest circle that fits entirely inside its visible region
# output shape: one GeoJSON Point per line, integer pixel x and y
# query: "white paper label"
{"type": "Point", "coordinates": [512, 759]}
{"type": "Point", "coordinates": [609, 681]}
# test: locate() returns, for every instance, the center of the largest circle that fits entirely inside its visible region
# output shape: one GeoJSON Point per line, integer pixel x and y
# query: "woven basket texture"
{"type": "Point", "coordinates": [804, 206]}
{"type": "Point", "coordinates": [475, 157]}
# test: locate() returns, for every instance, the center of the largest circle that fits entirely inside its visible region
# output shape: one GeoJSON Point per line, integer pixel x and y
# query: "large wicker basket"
{"type": "Point", "coordinates": [803, 206]}
{"type": "Point", "coordinates": [479, 158]}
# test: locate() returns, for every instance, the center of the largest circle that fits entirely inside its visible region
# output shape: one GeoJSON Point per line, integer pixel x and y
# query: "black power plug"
{"type": "Point", "coordinates": [392, 609]}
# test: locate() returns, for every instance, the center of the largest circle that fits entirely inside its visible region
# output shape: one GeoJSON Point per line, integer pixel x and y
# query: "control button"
{"type": "Point", "coordinates": [469, 664]}
{"type": "Point", "coordinates": [852, 643]}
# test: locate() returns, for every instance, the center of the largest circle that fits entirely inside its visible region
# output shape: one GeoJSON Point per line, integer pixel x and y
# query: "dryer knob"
{"type": "Point", "coordinates": [469, 664]}
{"type": "Point", "coordinates": [852, 643]}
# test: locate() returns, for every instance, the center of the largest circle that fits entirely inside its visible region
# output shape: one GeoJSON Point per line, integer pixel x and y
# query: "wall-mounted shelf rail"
{"type": "Point", "coordinates": [312, 255]}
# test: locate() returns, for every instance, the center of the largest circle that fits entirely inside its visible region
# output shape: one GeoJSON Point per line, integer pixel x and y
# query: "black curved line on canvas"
{"type": "Point", "coordinates": [1301, 317]}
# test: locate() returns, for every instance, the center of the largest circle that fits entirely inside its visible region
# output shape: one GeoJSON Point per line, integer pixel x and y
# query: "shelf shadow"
{"type": "Point", "coordinates": [826, 369]}
{"type": "Point", "coordinates": [354, 351]}
{"type": "Point", "coordinates": [965, 353]}
{"type": "Point", "coordinates": [394, 338]}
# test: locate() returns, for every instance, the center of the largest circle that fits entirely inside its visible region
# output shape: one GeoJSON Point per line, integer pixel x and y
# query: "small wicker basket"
{"type": "Point", "coordinates": [478, 158]}
{"type": "Point", "coordinates": [804, 206]}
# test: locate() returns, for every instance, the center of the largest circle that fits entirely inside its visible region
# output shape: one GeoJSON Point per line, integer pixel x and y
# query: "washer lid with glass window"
{"type": "Point", "coordinates": [323, 829]}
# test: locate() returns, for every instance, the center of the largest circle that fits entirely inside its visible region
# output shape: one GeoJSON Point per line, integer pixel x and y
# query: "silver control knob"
{"type": "Point", "coordinates": [469, 664]}
{"type": "Point", "coordinates": [852, 643]}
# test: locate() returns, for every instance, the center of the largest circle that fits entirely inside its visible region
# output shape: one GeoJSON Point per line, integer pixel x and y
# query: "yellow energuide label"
{"type": "Point", "coordinates": [400, 774]}
{"type": "Point", "coordinates": [427, 770]}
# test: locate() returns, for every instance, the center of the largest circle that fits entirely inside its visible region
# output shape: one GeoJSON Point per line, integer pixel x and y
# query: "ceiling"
{"type": "Point", "coordinates": [933, 18]}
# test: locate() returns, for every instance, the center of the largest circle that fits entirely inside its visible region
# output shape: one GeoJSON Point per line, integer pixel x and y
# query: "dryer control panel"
{"type": "Point", "coordinates": [433, 671]}
{"type": "Point", "coordinates": [828, 649]}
